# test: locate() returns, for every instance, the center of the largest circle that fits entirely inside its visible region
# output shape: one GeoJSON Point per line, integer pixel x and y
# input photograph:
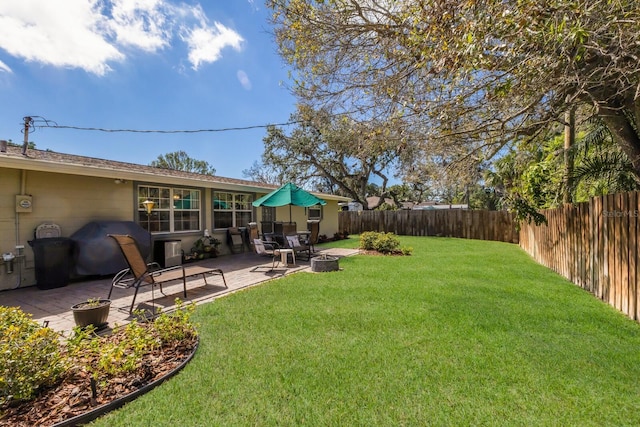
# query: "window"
{"type": "Point", "coordinates": [315, 212]}
{"type": "Point", "coordinates": [174, 209]}
{"type": "Point", "coordinates": [268, 213]}
{"type": "Point", "coordinates": [232, 209]}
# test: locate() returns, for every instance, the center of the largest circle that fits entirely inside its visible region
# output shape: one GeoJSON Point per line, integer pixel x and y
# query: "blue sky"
{"type": "Point", "coordinates": [146, 65]}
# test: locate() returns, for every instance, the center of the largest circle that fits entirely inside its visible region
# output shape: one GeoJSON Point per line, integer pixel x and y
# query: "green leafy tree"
{"type": "Point", "coordinates": [268, 174]}
{"type": "Point", "coordinates": [180, 160]}
{"type": "Point", "coordinates": [532, 177]}
{"type": "Point", "coordinates": [334, 154]}
{"type": "Point", "coordinates": [468, 77]}
{"type": "Point", "coordinates": [602, 167]}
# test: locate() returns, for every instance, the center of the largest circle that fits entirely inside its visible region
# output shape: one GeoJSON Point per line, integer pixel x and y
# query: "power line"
{"type": "Point", "coordinates": [41, 122]}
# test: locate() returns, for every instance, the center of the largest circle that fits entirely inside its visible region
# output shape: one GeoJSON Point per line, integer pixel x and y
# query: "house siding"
{"type": "Point", "coordinates": [71, 201]}
{"type": "Point", "coordinates": [67, 200]}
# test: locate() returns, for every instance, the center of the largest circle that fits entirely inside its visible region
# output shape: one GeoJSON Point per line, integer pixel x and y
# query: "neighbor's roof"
{"type": "Point", "coordinates": [49, 161]}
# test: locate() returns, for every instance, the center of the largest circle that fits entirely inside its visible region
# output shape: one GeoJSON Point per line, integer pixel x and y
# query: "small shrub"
{"type": "Point", "coordinates": [112, 357]}
{"type": "Point", "coordinates": [406, 250]}
{"type": "Point", "coordinates": [109, 357]}
{"type": "Point", "coordinates": [31, 357]}
{"type": "Point", "coordinates": [368, 239]}
{"type": "Point", "coordinates": [175, 326]}
{"type": "Point", "coordinates": [385, 243]}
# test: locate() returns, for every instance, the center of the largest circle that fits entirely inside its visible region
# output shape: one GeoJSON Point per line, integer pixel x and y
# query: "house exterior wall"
{"type": "Point", "coordinates": [66, 200]}
{"type": "Point", "coordinates": [71, 201]}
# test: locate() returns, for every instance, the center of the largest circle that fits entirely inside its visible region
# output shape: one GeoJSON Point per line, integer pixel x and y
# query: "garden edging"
{"type": "Point", "coordinates": [117, 403]}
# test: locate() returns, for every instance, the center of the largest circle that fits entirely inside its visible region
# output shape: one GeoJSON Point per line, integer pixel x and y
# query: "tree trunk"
{"type": "Point", "coordinates": [624, 134]}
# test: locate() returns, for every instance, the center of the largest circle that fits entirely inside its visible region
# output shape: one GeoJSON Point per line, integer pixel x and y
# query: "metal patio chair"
{"type": "Point", "coordinates": [139, 273]}
{"type": "Point", "coordinates": [293, 242]}
{"type": "Point", "coordinates": [267, 249]}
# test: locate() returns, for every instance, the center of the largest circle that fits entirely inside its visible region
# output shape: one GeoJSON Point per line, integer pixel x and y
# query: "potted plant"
{"type": "Point", "coordinates": [93, 311]}
{"type": "Point", "coordinates": [206, 247]}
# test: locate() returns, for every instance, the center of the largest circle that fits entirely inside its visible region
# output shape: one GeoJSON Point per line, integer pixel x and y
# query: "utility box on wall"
{"type": "Point", "coordinates": [24, 203]}
{"type": "Point", "coordinates": [167, 253]}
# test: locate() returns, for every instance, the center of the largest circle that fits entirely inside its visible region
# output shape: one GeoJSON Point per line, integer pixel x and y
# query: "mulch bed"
{"type": "Point", "coordinates": [74, 395]}
{"type": "Point", "coordinates": [376, 253]}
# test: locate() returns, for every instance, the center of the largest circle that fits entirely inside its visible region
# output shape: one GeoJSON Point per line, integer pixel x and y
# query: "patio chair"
{"type": "Point", "coordinates": [266, 227]}
{"type": "Point", "coordinates": [139, 273]}
{"type": "Point", "coordinates": [277, 233]}
{"type": "Point", "coordinates": [294, 243]}
{"type": "Point", "coordinates": [289, 229]}
{"type": "Point", "coordinates": [267, 249]}
{"type": "Point", "coordinates": [314, 232]}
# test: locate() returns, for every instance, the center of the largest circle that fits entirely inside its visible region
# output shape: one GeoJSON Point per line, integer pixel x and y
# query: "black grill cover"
{"type": "Point", "coordinates": [97, 254]}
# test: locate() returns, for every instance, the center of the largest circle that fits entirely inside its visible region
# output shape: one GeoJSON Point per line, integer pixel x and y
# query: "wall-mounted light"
{"type": "Point", "coordinates": [119, 181]}
{"type": "Point", "coordinates": [148, 205]}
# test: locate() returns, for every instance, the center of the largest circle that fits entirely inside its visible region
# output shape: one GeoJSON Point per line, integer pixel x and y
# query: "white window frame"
{"type": "Point", "coordinates": [314, 218]}
{"type": "Point", "coordinates": [164, 199]}
{"type": "Point", "coordinates": [236, 206]}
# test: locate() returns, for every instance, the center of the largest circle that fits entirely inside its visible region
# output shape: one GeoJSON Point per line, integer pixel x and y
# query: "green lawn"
{"type": "Point", "coordinates": [462, 332]}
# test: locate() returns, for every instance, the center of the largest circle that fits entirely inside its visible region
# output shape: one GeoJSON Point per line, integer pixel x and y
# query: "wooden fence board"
{"type": "Point", "coordinates": [468, 224]}
{"type": "Point", "coordinates": [595, 245]}
{"type": "Point", "coordinates": [634, 258]}
{"type": "Point", "coordinates": [624, 254]}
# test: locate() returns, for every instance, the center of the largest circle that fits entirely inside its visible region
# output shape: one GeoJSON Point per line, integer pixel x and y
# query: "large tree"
{"type": "Point", "coordinates": [180, 160]}
{"type": "Point", "coordinates": [533, 177]}
{"type": "Point", "coordinates": [472, 75]}
{"type": "Point", "coordinates": [333, 154]}
{"type": "Point", "coordinates": [268, 174]}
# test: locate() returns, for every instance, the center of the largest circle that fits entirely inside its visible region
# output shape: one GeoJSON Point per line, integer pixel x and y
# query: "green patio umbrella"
{"type": "Point", "coordinates": [289, 194]}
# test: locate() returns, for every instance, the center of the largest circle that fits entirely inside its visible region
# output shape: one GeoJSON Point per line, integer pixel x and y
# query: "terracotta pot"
{"type": "Point", "coordinates": [89, 313]}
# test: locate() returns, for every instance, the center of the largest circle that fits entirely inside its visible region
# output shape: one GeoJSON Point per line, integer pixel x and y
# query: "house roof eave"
{"type": "Point", "coordinates": [45, 161]}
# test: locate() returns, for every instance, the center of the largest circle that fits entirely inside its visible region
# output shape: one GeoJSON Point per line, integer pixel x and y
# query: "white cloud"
{"type": "Point", "coordinates": [141, 23]}
{"type": "Point", "coordinates": [91, 34]}
{"type": "Point", "coordinates": [244, 79]}
{"type": "Point", "coordinates": [60, 35]}
{"type": "Point", "coordinates": [206, 43]}
{"type": "Point", "coordinates": [4, 67]}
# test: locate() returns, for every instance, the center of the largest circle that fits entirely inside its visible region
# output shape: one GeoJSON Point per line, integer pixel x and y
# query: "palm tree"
{"type": "Point", "coordinates": [601, 167]}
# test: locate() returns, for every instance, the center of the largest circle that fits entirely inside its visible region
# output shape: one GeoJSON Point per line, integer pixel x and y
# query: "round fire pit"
{"type": "Point", "coordinates": [324, 263]}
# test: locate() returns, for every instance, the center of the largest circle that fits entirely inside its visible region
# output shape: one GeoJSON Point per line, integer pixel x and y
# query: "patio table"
{"type": "Point", "coordinates": [284, 253]}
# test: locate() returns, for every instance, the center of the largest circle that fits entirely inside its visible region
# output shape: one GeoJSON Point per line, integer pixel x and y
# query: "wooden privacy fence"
{"type": "Point", "coordinates": [595, 245]}
{"type": "Point", "coordinates": [467, 224]}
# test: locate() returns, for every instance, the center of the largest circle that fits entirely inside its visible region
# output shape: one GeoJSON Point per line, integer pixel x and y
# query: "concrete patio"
{"type": "Point", "coordinates": [53, 306]}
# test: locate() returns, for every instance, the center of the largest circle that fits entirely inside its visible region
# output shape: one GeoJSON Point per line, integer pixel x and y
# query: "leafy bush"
{"type": "Point", "coordinates": [112, 357]}
{"type": "Point", "coordinates": [31, 357]}
{"type": "Point", "coordinates": [406, 250]}
{"type": "Point", "coordinates": [175, 326]}
{"type": "Point", "coordinates": [386, 243]}
{"type": "Point", "coordinates": [368, 240]}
